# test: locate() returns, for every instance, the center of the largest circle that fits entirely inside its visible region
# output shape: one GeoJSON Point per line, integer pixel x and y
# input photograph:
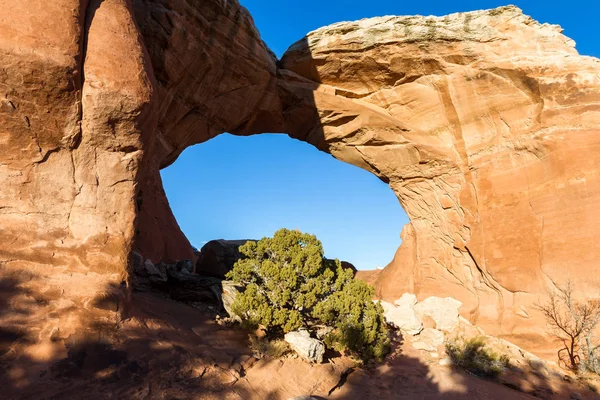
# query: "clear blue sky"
{"type": "Point", "coordinates": [248, 187]}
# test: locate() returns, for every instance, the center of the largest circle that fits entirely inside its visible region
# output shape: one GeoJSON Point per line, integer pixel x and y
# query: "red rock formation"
{"type": "Point", "coordinates": [484, 124]}
{"type": "Point", "coordinates": [76, 118]}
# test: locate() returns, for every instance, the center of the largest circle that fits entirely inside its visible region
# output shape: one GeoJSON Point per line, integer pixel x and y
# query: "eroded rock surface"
{"type": "Point", "coordinates": [484, 124]}
{"type": "Point", "coordinates": [443, 312]}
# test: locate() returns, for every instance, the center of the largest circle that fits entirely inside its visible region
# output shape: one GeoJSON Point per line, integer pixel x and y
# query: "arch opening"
{"type": "Point", "coordinates": [233, 187]}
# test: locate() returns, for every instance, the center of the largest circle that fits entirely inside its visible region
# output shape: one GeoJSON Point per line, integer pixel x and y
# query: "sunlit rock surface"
{"type": "Point", "coordinates": [485, 125]}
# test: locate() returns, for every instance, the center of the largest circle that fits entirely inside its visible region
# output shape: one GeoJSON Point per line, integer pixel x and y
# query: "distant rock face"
{"type": "Point", "coordinates": [484, 124]}
{"type": "Point", "coordinates": [217, 257]}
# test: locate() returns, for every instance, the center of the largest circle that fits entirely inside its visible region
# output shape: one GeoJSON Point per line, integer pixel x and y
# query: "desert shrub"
{"type": "Point", "coordinates": [574, 323]}
{"type": "Point", "coordinates": [358, 321]}
{"type": "Point", "coordinates": [590, 350]}
{"type": "Point", "coordinates": [473, 356]}
{"type": "Point", "coordinates": [275, 348]}
{"type": "Point", "coordinates": [289, 284]}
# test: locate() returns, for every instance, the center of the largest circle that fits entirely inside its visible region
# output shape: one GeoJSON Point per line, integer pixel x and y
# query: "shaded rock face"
{"type": "Point", "coordinates": [482, 123]}
{"type": "Point", "coordinates": [217, 257]}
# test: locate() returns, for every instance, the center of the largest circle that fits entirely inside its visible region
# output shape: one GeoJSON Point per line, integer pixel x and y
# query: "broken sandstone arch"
{"type": "Point", "coordinates": [484, 124]}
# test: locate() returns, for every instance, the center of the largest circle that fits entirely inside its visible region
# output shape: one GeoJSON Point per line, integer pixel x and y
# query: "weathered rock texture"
{"type": "Point", "coordinates": [484, 124]}
{"type": "Point", "coordinates": [309, 348]}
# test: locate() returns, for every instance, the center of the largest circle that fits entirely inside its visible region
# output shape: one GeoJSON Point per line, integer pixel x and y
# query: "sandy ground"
{"type": "Point", "coordinates": [170, 350]}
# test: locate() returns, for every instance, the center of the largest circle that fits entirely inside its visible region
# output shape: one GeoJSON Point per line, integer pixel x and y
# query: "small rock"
{"type": "Point", "coordinates": [322, 332]}
{"type": "Point", "coordinates": [445, 361]}
{"type": "Point", "coordinates": [429, 340]}
{"type": "Point", "coordinates": [151, 271]}
{"type": "Point", "coordinates": [260, 332]}
{"type": "Point", "coordinates": [185, 266]}
{"type": "Point", "coordinates": [307, 347]}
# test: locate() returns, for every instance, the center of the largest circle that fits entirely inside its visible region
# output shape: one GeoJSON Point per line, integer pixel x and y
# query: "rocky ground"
{"type": "Point", "coordinates": [172, 350]}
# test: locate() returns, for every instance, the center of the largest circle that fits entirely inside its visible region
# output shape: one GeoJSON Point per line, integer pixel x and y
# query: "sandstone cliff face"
{"type": "Point", "coordinates": [484, 124]}
{"type": "Point", "coordinates": [95, 97]}
{"type": "Point", "coordinates": [214, 74]}
{"type": "Point", "coordinates": [76, 115]}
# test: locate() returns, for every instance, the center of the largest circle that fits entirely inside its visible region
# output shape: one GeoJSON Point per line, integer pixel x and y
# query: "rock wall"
{"type": "Point", "coordinates": [76, 119]}
{"type": "Point", "coordinates": [484, 124]}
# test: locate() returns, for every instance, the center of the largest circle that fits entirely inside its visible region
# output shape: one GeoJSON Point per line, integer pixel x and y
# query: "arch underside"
{"type": "Point", "coordinates": [484, 125]}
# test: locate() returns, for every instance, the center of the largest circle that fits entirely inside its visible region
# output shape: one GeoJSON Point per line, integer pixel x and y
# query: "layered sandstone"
{"type": "Point", "coordinates": [484, 124]}
{"type": "Point", "coordinates": [76, 118]}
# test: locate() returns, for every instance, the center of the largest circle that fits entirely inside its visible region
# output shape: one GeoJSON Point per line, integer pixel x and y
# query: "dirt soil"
{"type": "Point", "coordinates": [170, 350]}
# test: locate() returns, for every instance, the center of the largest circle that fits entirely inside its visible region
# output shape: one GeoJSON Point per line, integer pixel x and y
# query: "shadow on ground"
{"type": "Point", "coordinates": [170, 350]}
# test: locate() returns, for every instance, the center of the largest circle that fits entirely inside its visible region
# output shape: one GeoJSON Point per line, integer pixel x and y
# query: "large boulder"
{"type": "Point", "coordinates": [350, 266]}
{"type": "Point", "coordinates": [308, 348]}
{"type": "Point", "coordinates": [443, 311]}
{"type": "Point", "coordinates": [402, 317]}
{"type": "Point", "coordinates": [229, 292]}
{"type": "Point", "coordinates": [406, 300]}
{"type": "Point", "coordinates": [428, 340]}
{"type": "Point", "coordinates": [217, 257]}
